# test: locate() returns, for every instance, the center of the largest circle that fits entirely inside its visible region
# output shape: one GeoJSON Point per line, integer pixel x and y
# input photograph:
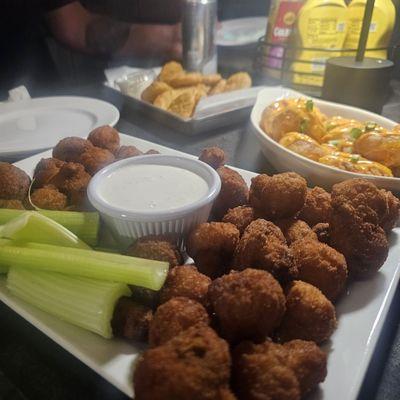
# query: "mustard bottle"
{"type": "Point", "coordinates": [321, 24]}
{"type": "Point", "coordinates": [380, 31]}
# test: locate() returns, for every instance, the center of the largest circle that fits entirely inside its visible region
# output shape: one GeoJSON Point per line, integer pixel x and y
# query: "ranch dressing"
{"type": "Point", "coordinates": [152, 187]}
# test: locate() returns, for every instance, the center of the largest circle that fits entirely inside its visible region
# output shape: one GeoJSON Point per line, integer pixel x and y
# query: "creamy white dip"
{"type": "Point", "coordinates": [146, 187]}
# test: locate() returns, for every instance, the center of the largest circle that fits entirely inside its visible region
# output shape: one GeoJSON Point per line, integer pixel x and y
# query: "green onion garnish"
{"type": "Point", "coordinates": [355, 133]}
{"type": "Point", "coordinates": [334, 142]}
{"type": "Point", "coordinates": [354, 159]}
{"type": "Point", "coordinates": [309, 105]}
{"type": "Point", "coordinates": [304, 126]}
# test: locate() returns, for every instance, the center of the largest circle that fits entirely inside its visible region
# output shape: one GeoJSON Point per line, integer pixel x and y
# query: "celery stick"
{"type": "Point", "coordinates": [85, 225]}
{"type": "Point", "coordinates": [32, 226]}
{"type": "Point", "coordinates": [87, 303]}
{"type": "Point", "coordinates": [81, 262]}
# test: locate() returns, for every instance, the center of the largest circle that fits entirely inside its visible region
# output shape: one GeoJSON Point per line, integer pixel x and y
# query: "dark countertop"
{"type": "Point", "coordinates": [33, 367]}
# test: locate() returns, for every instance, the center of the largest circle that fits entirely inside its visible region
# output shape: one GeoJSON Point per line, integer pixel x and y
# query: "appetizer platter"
{"type": "Point", "coordinates": [207, 326]}
{"type": "Point", "coordinates": [326, 142]}
{"type": "Point", "coordinates": [189, 102]}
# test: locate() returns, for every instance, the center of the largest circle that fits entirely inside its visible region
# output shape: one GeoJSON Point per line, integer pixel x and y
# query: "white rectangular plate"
{"type": "Point", "coordinates": [361, 311]}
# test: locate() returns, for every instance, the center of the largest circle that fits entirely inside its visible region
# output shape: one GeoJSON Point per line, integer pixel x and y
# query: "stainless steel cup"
{"type": "Point", "coordinates": [199, 21]}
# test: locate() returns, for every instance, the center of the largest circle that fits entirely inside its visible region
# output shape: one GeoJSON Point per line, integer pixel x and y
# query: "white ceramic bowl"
{"type": "Point", "coordinates": [126, 226]}
{"type": "Point", "coordinates": [284, 159]}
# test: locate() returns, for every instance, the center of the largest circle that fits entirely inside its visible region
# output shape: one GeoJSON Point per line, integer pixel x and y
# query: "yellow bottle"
{"type": "Point", "coordinates": [381, 28]}
{"type": "Point", "coordinates": [321, 24]}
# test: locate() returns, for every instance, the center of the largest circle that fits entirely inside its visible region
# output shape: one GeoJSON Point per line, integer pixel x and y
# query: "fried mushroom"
{"type": "Point", "coordinates": [309, 314]}
{"type": "Point", "coordinates": [278, 196]}
{"type": "Point", "coordinates": [321, 266]}
{"type": "Point", "coordinates": [173, 317]}
{"type": "Point", "coordinates": [317, 207]}
{"type": "Point", "coordinates": [295, 229]}
{"type": "Point", "coordinates": [95, 158]}
{"type": "Point", "coordinates": [263, 246]}
{"type": "Point", "coordinates": [234, 192]}
{"type": "Point", "coordinates": [105, 137]}
{"type": "Point", "coordinates": [193, 365]}
{"type": "Point", "coordinates": [261, 372]}
{"type": "Point", "coordinates": [308, 362]}
{"type": "Point", "coordinates": [240, 216]}
{"type": "Point", "coordinates": [248, 305]}
{"type": "Point", "coordinates": [70, 148]}
{"type": "Point", "coordinates": [14, 182]}
{"type": "Point", "coordinates": [49, 198]}
{"type": "Point", "coordinates": [213, 156]}
{"type": "Point", "coordinates": [185, 281]}
{"type": "Point", "coordinates": [211, 245]}
{"type": "Point", "coordinates": [127, 151]}
{"type": "Point", "coordinates": [45, 170]}
{"type": "Point", "coordinates": [156, 247]}
{"type": "Point", "coordinates": [131, 320]}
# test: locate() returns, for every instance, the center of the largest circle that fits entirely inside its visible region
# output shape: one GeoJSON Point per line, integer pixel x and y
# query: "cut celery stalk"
{"type": "Point", "coordinates": [32, 226]}
{"type": "Point", "coordinates": [85, 225]}
{"type": "Point", "coordinates": [87, 303]}
{"type": "Point", "coordinates": [81, 262]}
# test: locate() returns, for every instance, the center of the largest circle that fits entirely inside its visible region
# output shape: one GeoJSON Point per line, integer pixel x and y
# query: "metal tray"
{"type": "Point", "coordinates": [211, 113]}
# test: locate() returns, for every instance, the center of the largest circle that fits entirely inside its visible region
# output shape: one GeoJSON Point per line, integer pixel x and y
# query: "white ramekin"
{"type": "Point", "coordinates": [126, 226]}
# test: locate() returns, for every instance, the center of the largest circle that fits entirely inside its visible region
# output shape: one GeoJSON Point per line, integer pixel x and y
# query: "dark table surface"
{"type": "Point", "coordinates": [34, 367]}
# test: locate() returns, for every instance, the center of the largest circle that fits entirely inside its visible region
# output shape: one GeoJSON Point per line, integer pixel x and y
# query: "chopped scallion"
{"type": "Point", "coordinates": [309, 105]}
{"type": "Point", "coordinates": [355, 133]}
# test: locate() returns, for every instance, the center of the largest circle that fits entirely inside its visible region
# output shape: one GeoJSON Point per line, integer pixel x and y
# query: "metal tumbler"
{"type": "Point", "coordinates": [199, 21]}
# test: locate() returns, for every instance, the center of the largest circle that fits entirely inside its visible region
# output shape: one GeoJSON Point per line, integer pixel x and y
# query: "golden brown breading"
{"type": "Point", "coordinates": [12, 204]}
{"type": "Point", "coordinates": [214, 156]}
{"type": "Point", "coordinates": [322, 231]}
{"type": "Point", "coordinates": [174, 317]}
{"type": "Point", "coordinates": [183, 79]}
{"type": "Point", "coordinates": [317, 207]}
{"type": "Point", "coordinates": [240, 216]}
{"type": "Point", "coordinates": [263, 246]}
{"type": "Point", "coordinates": [49, 198]}
{"type": "Point", "coordinates": [358, 210]}
{"type": "Point", "coordinates": [131, 320]}
{"type": "Point", "coordinates": [309, 314]}
{"type": "Point", "coordinates": [361, 199]}
{"type": "Point", "coordinates": [185, 281]}
{"type": "Point", "coordinates": [248, 305]}
{"type": "Point", "coordinates": [218, 88]}
{"type": "Point", "coordinates": [260, 372]}
{"type": "Point", "coordinates": [212, 79]}
{"type": "Point", "coordinates": [237, 81]}
{"type": "Point", "coordinates": [321, 266]}
{"type": "Point", "coordinates": [193, 365]}
{"type": "Point", "coordinates": [156, 247]}
{"type": "Point", "coordinates": [278, 196]}
{"type": "Point", "coordinates": [155, 89]}
{"type": "Point", "coordinates": [72, 179]}
{"type": "Point", "coordinates": [95, 158]}
{"type": "Point", "coordinates": [169, 70]}
{"type": "Point", "coordinates": [105, 137]}
{"type": "Point", "coordinates": [295, 229]}
{"type": "Point", "coordinates": [234, 192]}
{"type": "Point", "coordinates": [45, 170]}
{"type": "Point", "coordinates": [14, 182]}
{"type": "Point", "coordinates": [308, 362]}
{"type": "Point", "coordinates": [70, 148]}
{"type": "Point", "coordinates": [184, 104]}
{"type": "Point", "coordinates": [389, 220]}
{"type": "Point", "coordinates": [211, 245]}
{"type": "Point", "coordinates": [363, 244]}
{"type": "Point", "coordinates": [127, 151]}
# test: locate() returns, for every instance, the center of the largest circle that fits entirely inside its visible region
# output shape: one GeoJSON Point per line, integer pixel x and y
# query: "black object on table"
{"type": "Point", "coordinates": [33, 367]}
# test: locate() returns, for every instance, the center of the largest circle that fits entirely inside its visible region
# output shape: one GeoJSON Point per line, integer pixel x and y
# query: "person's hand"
{"type": "Point", "coordinates": [161, 41]}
